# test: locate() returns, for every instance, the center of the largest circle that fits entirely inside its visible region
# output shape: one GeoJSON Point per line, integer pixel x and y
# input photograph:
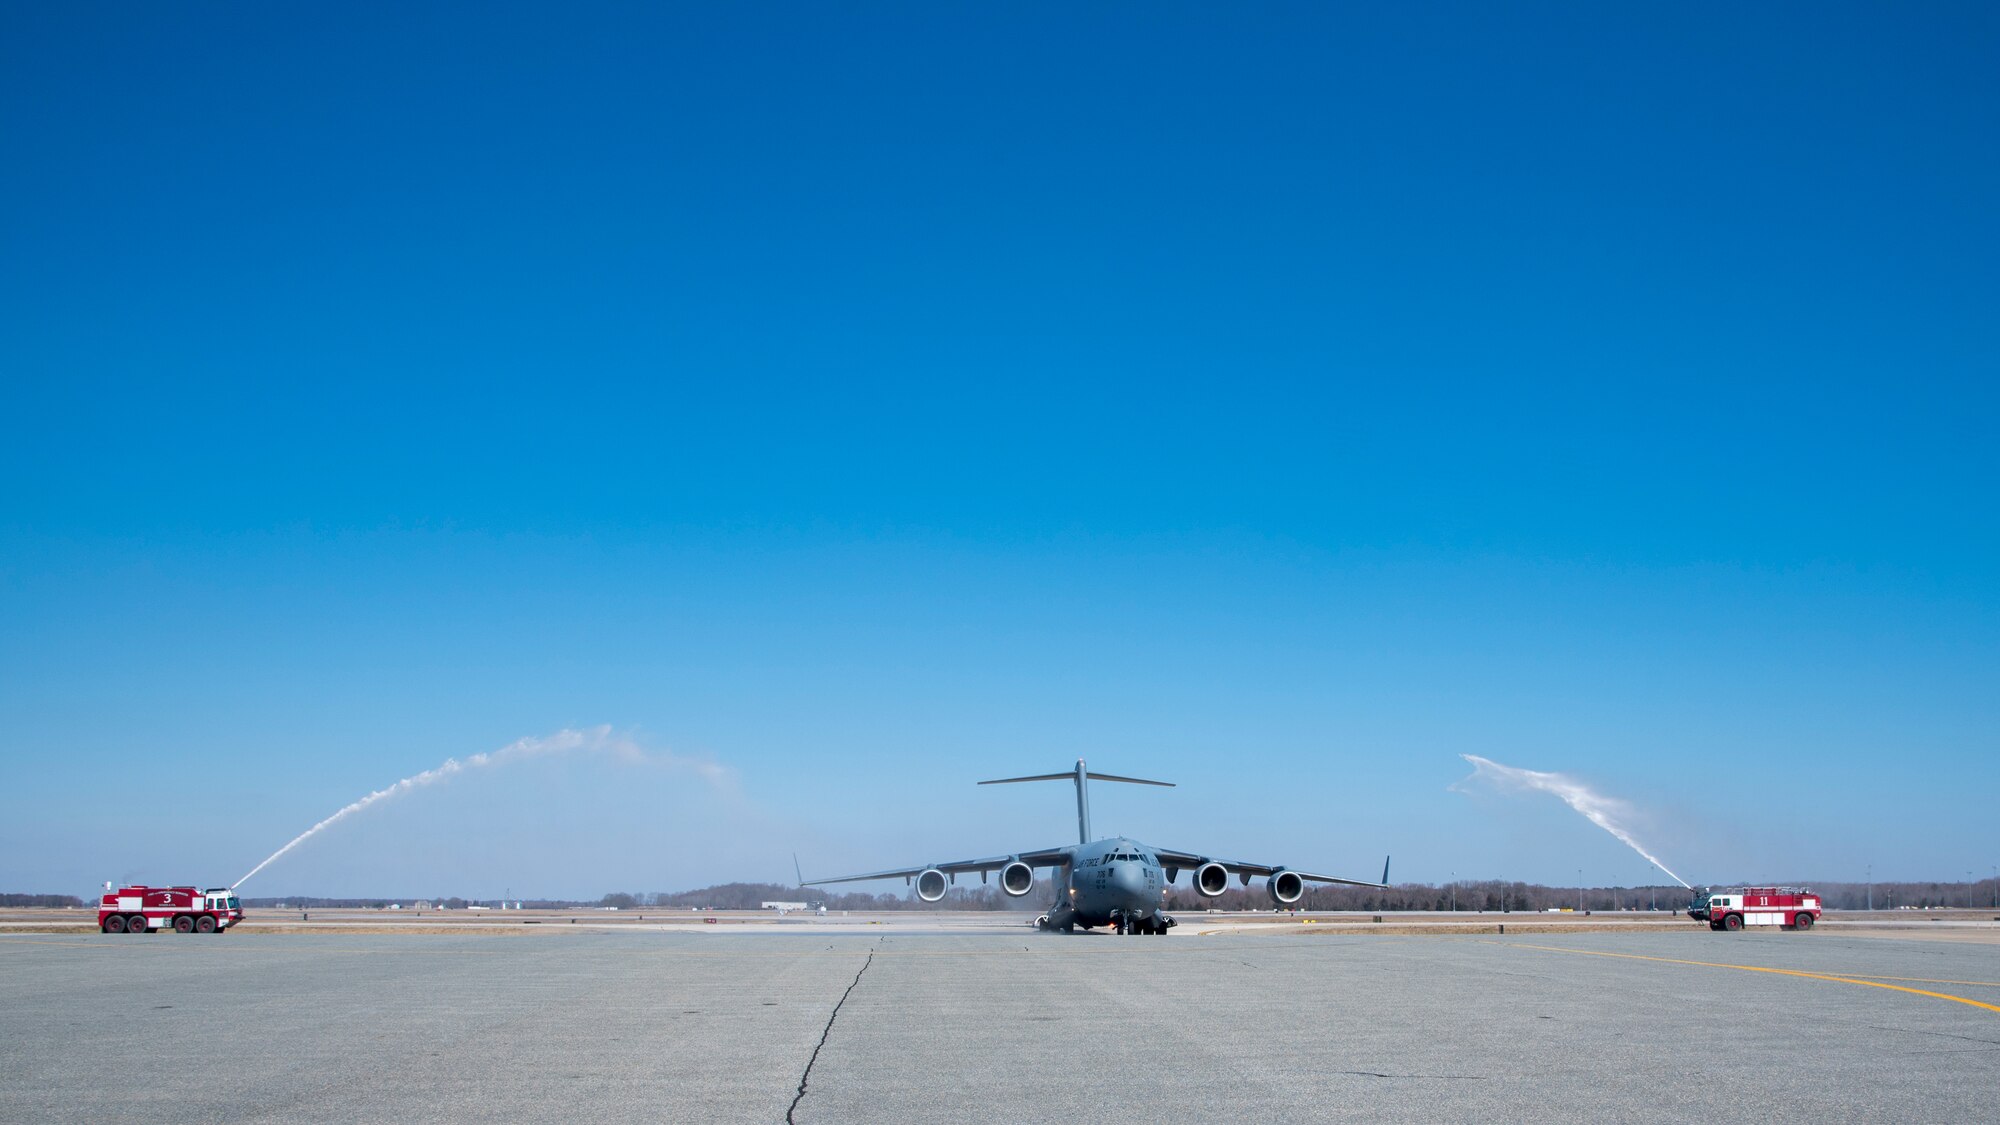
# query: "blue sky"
{"type": "Point", "coordinates": [874, 400]}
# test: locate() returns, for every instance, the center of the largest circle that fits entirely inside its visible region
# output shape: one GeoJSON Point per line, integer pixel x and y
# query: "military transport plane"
{"type": "Point", "coordinates": [1115, 882]}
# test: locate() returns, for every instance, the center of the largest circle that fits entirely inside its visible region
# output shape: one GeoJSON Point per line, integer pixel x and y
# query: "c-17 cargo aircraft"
{"type": "Point", "coordinates": [1116, 882]}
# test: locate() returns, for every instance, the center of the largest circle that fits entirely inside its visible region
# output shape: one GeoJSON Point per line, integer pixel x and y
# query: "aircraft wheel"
{"type": "Point", "coordinates": [114, 924]}
{"type": "Point", "coordinates": [1069, 927]}
{"type": "Point", "coordinates": [205, 924]}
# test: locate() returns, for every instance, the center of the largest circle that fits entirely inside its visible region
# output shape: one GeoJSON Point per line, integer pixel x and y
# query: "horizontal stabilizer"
{"type": "Point", "coordinates": [1072, 777]}
{"type": "Point", "coordinates": [1037, 777]}
{"type": "Point", "coordinates": [1133, 780]}
{"type": "Point", "coordinates": [1082, 776]}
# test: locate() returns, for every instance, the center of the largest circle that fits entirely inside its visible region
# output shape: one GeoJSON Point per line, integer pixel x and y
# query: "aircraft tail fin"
{"type": "Point", "coordinates": [1082, 776]}
{"type": "Point", "coordinates": [1385, 870]}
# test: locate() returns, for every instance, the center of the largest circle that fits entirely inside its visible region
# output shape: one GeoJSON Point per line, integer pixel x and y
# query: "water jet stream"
{"type": "Point", "coordinates": [1607, 813]}
{"type": "Point", "coordinates": [594, 739]}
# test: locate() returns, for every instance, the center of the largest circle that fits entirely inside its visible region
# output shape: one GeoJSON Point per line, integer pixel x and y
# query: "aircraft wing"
{"type": "Point", "coordinates": [1191, 860]}
{"type": "Point", "coordinates": [1045, 857]}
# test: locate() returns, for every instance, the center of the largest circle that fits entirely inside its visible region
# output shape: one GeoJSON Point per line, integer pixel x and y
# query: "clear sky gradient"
{"type": "Point", "coordinates": [873, 399]}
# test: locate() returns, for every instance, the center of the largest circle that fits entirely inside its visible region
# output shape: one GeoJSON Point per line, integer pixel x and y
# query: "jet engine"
{"type": "Point", "coordinates": [1211, 879]}
{"type": "Point", "coordinates": [1017, 879]}
{"type": "Point", "coordinates": [1286, 887]}
{"type": "Point", "coordinates": [931, 884]}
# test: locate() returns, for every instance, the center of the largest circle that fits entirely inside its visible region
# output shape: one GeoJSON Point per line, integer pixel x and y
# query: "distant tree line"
{"type": "Point", "coordinates": [44, 901]}
{"type": "Point", "coordinates": [1473, 895]}
{"type": "Point", "coordinates": [1492, 896]}
{"type": "Point", "coordinates": [967, 895]}
{"type": "Point", "coordinates": [1983, 894]}
{"type": "Point", "coordinates": [453, 902]}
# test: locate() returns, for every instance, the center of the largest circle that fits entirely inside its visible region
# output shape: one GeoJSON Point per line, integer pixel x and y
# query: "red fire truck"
{"type": "Point", "coordinates": [1790, 908]}
{"type": "Point", "coordinates": [137, 910]}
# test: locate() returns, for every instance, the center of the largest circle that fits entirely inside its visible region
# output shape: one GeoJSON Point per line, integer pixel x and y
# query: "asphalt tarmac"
{"type": "Point", "coordinates": [880, 1025]}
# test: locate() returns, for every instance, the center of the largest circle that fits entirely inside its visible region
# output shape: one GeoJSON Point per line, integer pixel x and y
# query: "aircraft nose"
{"type": "Point", "coordinates": [1128, 879]}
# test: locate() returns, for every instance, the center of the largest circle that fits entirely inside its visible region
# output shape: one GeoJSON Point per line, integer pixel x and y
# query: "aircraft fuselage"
{"type": "Point", "coordinates": [1112, 881]}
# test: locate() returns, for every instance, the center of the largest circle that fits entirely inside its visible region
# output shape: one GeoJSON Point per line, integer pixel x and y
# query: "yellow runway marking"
{"type": "Point", "coordinates": [1927, 980]}
{"type": "Point", "coordinates": [1764, 969]}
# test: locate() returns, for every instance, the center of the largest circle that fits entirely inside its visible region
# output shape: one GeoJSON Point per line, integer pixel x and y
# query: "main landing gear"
{"type": "Point", "coordinates": [1156, 924]}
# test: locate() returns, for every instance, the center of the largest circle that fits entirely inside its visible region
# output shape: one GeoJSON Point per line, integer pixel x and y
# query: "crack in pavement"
{"type": "Point", "coordinates": [1450, 1077]}
{"type": "Point", "coordinates": [824, 1032]}
{"type": "Point", "coordinates": [1939, 1034]}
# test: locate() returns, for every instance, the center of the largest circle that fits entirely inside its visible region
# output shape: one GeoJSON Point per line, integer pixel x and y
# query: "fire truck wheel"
{"type": "Point", "coordinates": [115, 924]}
{"type": "Point", "coordinates": [205, 924]}
{"type": "Point", "coordinates": [136, 924]}
{"type": "Point", "coordinates": [1733, 922]}
{"type": "Point", "coordinates": [1804, 922]}
{"type": "Point", "coordinates": [183, 924]}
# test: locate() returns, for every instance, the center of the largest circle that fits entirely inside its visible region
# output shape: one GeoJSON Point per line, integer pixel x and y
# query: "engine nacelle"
{"type": "Point", "coordinates": [931, 884]}
{"type": "Point", "coordinates": [1286, 887]}
{"type": "Point", "coordinates": [1017, 879]}
{"type": "Point", "coordinates": [1211, 879]}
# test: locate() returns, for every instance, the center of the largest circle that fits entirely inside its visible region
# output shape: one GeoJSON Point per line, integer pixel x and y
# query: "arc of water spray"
{"type": "Point", "coordinates": [594, 739]}
{"type": "Point", "coordinates": [1608, 813]}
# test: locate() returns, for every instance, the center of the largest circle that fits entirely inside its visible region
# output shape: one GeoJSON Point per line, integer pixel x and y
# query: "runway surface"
{"type": "Point", "coordinates": [889, 1026]}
